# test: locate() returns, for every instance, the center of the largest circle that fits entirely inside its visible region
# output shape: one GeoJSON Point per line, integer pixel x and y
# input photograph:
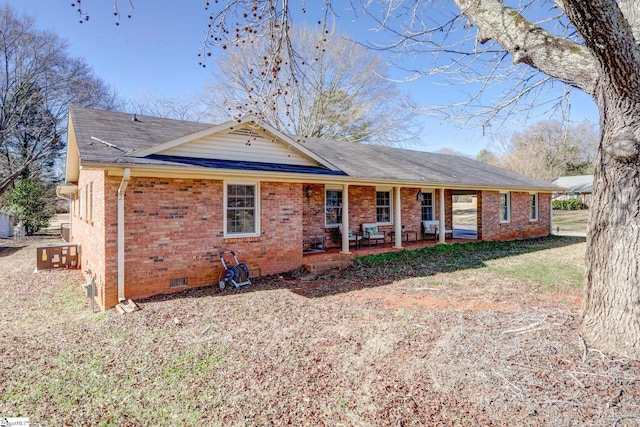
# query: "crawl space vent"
{"type": "Point", "coordinates": [178, 283]}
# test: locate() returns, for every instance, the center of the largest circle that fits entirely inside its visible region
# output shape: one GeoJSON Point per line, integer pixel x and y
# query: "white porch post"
{"type": "Point", "coordinates": [550, 214]}
{"type": "Point", "coordinates": [345, 219]}
{"type": "Point", "coordinates": [441, 226]}
{"type": "Point", "coordinates": [397, 216]}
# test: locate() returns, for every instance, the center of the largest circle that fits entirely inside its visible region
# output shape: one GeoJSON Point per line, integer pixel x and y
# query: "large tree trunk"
{"type": "Point", "coordinates": [611, 305]}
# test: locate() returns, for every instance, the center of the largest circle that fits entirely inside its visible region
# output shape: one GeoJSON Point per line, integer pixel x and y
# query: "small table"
{"type": "Point", "coordinates": [405, 235]}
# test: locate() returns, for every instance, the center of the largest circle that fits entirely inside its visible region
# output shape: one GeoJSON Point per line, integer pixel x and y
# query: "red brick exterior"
{"type": "Point", "coordinates": [362, 209]}
{"type": "Point", "coordinates": [174, 228]}
{"type": "Point", "coordinates": [89, 230]}
{"type": "Point", "coordinates": [519, 225]}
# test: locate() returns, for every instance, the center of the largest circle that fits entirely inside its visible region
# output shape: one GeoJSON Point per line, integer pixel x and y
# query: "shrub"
{"type": "Point", "coordinates": [28, 203]}
{"type": "Point", "coordinates": [568, 205]}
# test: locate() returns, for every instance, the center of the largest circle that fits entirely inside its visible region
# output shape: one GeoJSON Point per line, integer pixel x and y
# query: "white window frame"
{"type": "Point", "coordinates": [90, 203]}
{"type": "Point", "coordinates": [80, 203]}
{"type": "Point", "coordinates": [341, 191]}
{"type": "Point", "coordinates": [390, 191]}
{"type": "Point", "coordinates": [508, 206]}
{"type": "Point", "coordinates": [534, 211]}
{"type": "Point", "coordinates": [433, 205]}
{"type": "Point", "coordinates": [256, 203]}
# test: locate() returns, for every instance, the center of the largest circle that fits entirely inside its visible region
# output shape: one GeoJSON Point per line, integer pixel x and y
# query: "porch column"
{"type": "Point", "coordinates": [441, 225]}
{"type": "Point", "coordinates": [397, 215]}
{"type": "Point", "coordinates": [345, 219]}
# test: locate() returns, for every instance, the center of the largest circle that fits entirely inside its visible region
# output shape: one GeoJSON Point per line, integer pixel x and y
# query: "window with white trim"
{"type": "Point", "coordinates": [90, 202]}
{"type": "Point", "coordinates": [505, 207]}
{"type": "Point", "coordinates": [533, 206]}
{"type": "Point", "coordinates": [241, 209]}
{"type": "Point", "coordinates": [80, 202]}
{"type": "Point", "coordinates": [383, 207]}
{"type": "Point", "coordinates": [427, 206]}
{"type": "Point", "coordinates": [333, 207]}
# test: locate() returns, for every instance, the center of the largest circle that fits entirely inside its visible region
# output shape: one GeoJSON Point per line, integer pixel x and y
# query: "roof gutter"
{"type": "Point", "coordinates": [121, 190]}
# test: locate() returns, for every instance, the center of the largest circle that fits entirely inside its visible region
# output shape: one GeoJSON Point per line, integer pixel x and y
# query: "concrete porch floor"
{"type": "Point", "coordinates": [332, 257]}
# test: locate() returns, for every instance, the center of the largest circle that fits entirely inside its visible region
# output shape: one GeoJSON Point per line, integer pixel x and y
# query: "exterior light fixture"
{"type": "Point", "coordinates": [420, 196]}
{"type": "Point", "coordinates": [308, 191]}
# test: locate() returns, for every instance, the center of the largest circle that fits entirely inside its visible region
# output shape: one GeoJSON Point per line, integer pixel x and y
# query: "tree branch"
{"type": "Point", "coordinates": [8, 180]}
{"type": "Point", "coordinates": [530, 44]}
{"type": "Point", "coordinates": [611, 41]}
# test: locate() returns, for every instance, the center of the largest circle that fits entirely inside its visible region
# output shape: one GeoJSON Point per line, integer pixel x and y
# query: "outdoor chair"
{"type": "Point", "coordinates": [355, 238]}
{"type": "Point", "coordinates": [431, 228]}
{"type": "Point", "coordinates": [370, 233]}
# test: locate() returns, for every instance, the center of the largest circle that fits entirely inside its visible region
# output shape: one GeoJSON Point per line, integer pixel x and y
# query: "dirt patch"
{"type": "Point", "coordinates": [430, 302]}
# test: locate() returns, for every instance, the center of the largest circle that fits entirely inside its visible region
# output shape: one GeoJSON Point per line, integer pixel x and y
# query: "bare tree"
{"type": "Point", "coordinates": [181, 107]}
{"type": "Point", "coordinates": [38, 82]}
{"type": "Point", "coordinates": [591, 45]}
{"type": "Point", "coordinates": [341, 91]}
{"type": "Point", "coordinates": [546, 150]}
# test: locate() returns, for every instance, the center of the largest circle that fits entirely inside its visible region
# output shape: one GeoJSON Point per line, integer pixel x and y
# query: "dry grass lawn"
{"type": "Point", "coordinates": [446, 338]}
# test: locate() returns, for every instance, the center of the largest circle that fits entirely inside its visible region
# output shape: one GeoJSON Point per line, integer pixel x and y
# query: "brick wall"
{"type": "Point", "coordinates": [519, 225]}
{"type": "Point", "coordinates": [313, 216]}
{"type": "Point", "coordinates": [411, 209]}
{"type": "Point", "coordinates": [89, 230]}
{"type": "Point", "coordinates": [174, 230]}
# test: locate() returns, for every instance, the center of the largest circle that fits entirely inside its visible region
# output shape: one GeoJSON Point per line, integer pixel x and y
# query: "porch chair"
{"type": "Point", "coordinates": [370, 232]}
{"type": "Point", "coordinates": [431, 228]}
{"type": "Point", "coordinates": [355, 238]}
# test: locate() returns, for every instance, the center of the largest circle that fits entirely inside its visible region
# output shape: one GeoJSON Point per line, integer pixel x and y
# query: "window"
{"type": "Point", "coordinates": [427, 206]}
{"type": "Point", "coordinates": [241, 209]}
{"type": "Point", "coordinates": [90, 202]}
{"type": "Point", "coordinates": [533, 207]}
{"type": "Point", "coordinates": [80, 204]}
{"type": "Point", "coordinates": [504, 207]}
{"type": "Point", "coordinates": [333, 207]}
{"type": "Point", "coordinates": [383, 207]}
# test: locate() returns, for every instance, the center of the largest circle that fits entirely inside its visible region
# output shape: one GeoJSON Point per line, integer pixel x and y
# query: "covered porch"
{"type": "Point", "coordinates": [337, 217]}
{"type": "Point", "coordinates": [334, 257]}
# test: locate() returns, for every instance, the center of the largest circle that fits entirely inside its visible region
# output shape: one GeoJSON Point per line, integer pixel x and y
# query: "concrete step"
{"type": "Point", "coordinates": [317, 266]}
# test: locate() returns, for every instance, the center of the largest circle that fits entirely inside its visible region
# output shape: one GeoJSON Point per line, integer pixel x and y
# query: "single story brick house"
{"type": "Point", "coordinates": [154, 201]}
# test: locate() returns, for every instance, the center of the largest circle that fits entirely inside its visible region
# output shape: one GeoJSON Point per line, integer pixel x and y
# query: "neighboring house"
{"type": "Point", "coordinates": [154, 201]}
{"type": "Point", "coordinates": [575, 187]}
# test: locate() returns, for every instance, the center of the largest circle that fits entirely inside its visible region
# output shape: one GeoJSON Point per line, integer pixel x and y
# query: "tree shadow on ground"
{"type": "Point", "coordinates": [382, 269]}
{"type": "Point", "coordinates": [9, 250]}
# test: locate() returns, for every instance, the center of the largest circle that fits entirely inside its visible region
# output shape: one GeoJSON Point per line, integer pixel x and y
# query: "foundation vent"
{"type": "Point", "coordinates": [178, 283]}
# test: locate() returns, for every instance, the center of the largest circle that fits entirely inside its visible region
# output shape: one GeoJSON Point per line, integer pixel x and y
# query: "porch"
{"type": "Point", "coordinates": [332, 257]}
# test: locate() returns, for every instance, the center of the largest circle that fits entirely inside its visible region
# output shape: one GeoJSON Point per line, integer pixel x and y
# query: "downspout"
{"type": "Point", "coordinates": [442, 227]}
{"type": "Point", "coordinates": [123, 187]}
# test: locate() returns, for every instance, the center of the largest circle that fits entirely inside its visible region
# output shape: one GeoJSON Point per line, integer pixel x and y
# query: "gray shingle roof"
{"type": "Point", "coordinates": [122, 135]}
{"type": "Point", "coordinates": [387, 163]}
{"type": "Point", "coordinates": [576, 184]}
{"type": "Point", "coordinates": [127, 135]}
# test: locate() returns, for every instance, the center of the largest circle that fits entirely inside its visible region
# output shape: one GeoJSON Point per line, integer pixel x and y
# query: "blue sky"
{"type": "Point", "coordinates": [156, 52]}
